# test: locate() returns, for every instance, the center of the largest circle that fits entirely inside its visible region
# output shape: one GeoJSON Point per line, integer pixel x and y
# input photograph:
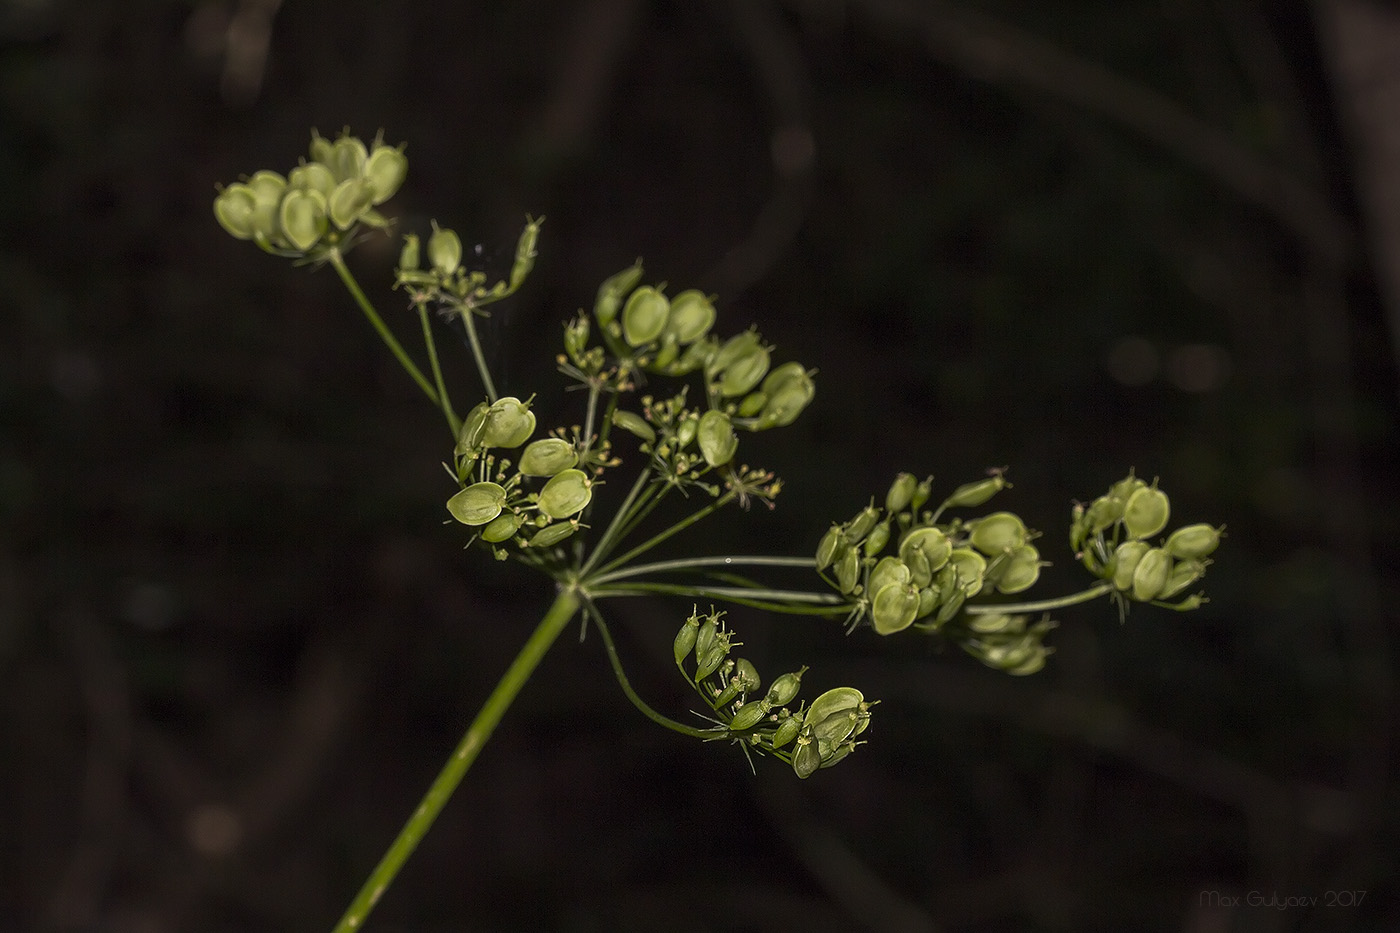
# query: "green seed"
{"type": "Point", "coordinates": [508, 423]}
{"type": "Point", "coordinates": [1150, 577]}
{"type": "Point", "coordinates": [444, 250]}
{"type": "Point", "coordinates": [566, 494]}
{"type": "Point", "coordinates": [547, 456]}
{"type": "Point", "coordinates": [302, 217]}
{"type": "Point", "coordinates": [385, 170]}
{"type": "Point", "coordinates": [634, 424]}
{"type": "Point", "coordinates": [901, 492]}
{"type": "Point", "coordinates": [478, 503]}
{"type": "Point", "coordinates": [716, 437]}
{"type": "Point", "coordinates": [998, 532]}
{"type": "Point", "coordinates": [644, 316]}
{"type": "Point", "coordinates": [894, 608]}
{"type": "Point", "coordinates": [1020, 570]}
{"type": "Point", "coordinates": [973, 494]}
{"type": "Point", "coordinates": [1125, 563]}
{"type": "Point", "coordinates": [692, 316]}
{"type": "Point", "coordinates": [502, 527]}
{"type": "Point", "coordinates": [552, 535]}
{"type": "Point", "coordinates": [1193, 541]}
{"type": "Point", "coordinates": [1145, 512]}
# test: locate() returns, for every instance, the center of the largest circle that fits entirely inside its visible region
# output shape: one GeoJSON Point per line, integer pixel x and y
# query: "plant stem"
{"type": "Point", "coordinates": [565, 606]}
{"type": "Point", "coordinates": [469, 321]}
{"type": "Point", "coordinates": [637, 701]}
{"type": "Point", "coordinates": [790, 602]}
{"type": "Point", "coordinates": [1042, 605]}
{"type": "Point", "coordinates": [690, 563]}
{"type": "Point", "coordinates": [453, 421]}
{"type": "Point", "coordinates": [338, 262]}
{"type": "Point", "coordinates": [678, 527]}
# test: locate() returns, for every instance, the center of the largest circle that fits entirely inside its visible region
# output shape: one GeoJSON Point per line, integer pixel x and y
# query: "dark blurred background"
{"type": "Point", "coordinates": [237, 641]}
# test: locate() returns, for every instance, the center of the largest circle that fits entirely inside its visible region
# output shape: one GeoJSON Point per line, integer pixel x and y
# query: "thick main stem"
{"type": "Point", "coordinates": [565, 605]}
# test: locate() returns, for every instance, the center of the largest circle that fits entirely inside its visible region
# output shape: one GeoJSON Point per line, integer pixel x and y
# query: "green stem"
{"type": "Point", "coordinates": [338, 262]}
{"type": "Point", "coordinates": [790, 602]}
{"type": "Point", "coordinates": [453, 422]}
{"type": "Point", "coordinates": [469, 321]}
{"type": "Point", "coordinates": [690, 563]}
{"type": "Point", "coordinates": [637, 701]}
{"type": "Point", "coordinates": [566, 604]}
{"type": "Point", "coordinates": [677, 528]}
{"type": "Point", "coordinates": [1041, 605]}
{"type": "Point", "coordinates": [614, 532]}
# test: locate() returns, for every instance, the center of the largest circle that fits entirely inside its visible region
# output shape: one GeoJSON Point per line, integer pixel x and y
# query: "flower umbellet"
{"type": "Point", "coordinates": [669, 410]}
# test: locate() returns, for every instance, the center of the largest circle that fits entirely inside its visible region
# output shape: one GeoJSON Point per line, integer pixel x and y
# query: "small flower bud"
{"type": "Point", "coordinates": [566, 494]}
{"type": "Point", "coordinates": [746, 676]}
{"type": "Point", "coordinates": [478, 503]}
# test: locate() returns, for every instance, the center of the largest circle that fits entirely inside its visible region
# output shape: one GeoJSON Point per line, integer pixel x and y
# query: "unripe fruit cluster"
{"type": "Point", "coordinates": [936, 566]}
{"type": "Point", "coordinates": [820, 735]}
{"type": "Point", "coordinates": [1110, 535]}
{"type": "Point", "coordinates": [321, 201]}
